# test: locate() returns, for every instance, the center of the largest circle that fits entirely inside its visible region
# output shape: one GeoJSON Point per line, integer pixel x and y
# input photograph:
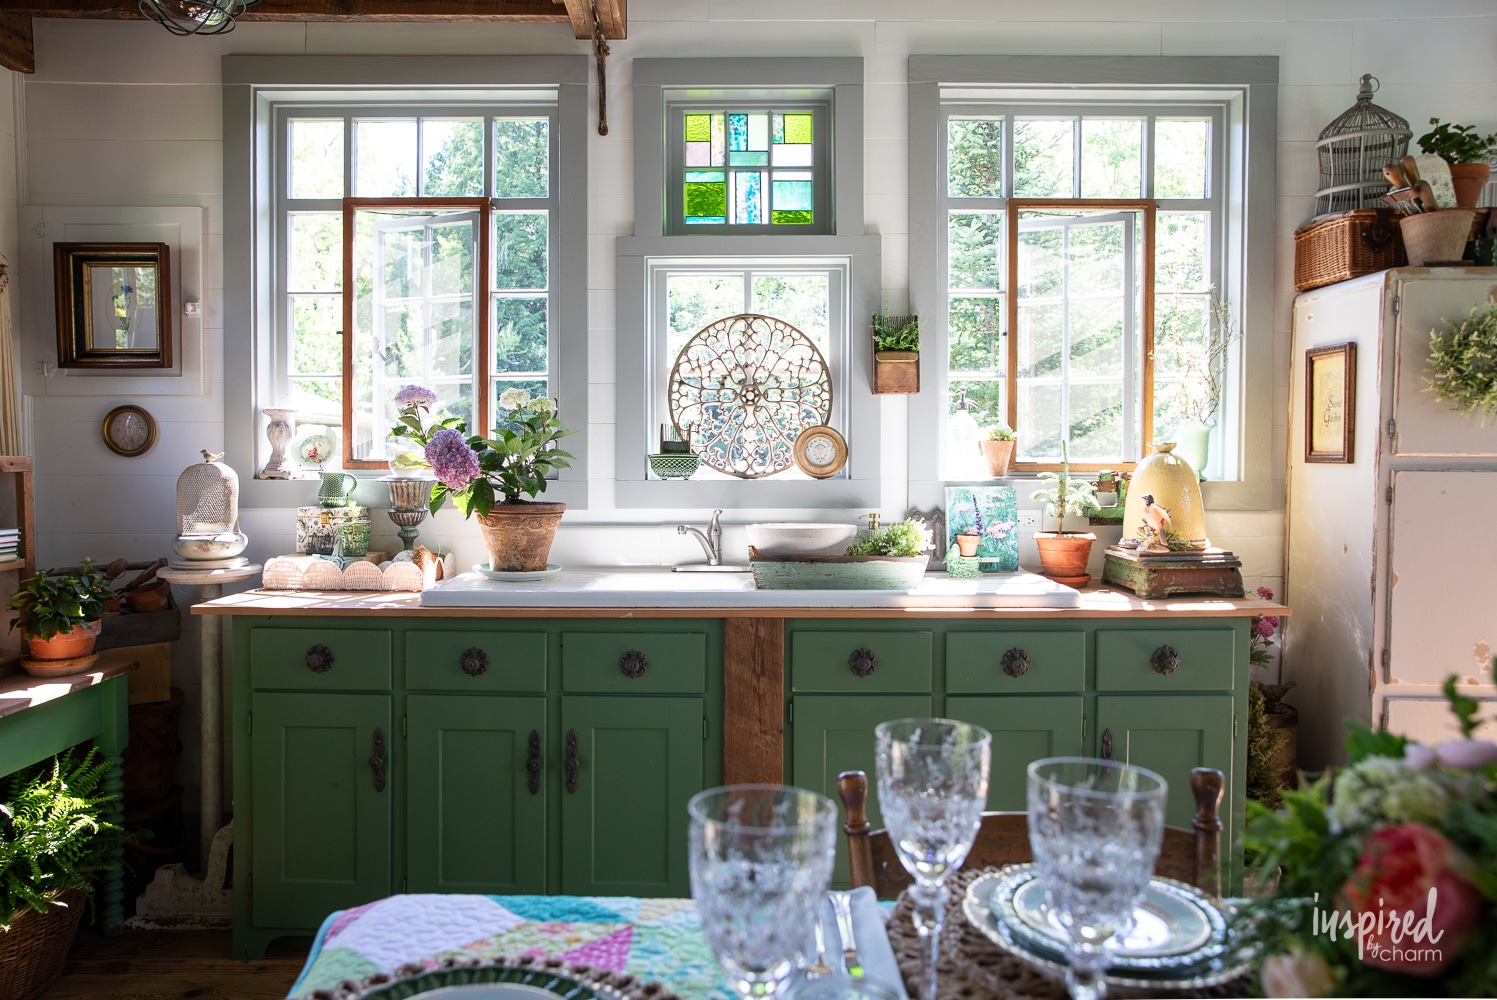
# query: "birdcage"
{"type": "Point", "coordinates": [208, 515]}
{"type": "Point", "coordinates": [1353, 150]}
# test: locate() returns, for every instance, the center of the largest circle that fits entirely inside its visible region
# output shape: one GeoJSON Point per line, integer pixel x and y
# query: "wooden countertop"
{"type": "Point", "coordinates": [1096, 602]}
{"type": "Point", "coordinates": [19, 692]}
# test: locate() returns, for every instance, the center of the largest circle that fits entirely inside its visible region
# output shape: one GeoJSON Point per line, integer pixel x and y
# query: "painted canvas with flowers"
{"type": "Point", "coordinates": [991, 513]}
{"type": "Point", "coordinates": [1387, 871]}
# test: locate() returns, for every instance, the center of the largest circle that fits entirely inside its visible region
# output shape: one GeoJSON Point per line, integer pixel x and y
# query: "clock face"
{"type": "Point", "coordinates": [129, 431]}
{"type": "Point", "coordinates": [821, 452]}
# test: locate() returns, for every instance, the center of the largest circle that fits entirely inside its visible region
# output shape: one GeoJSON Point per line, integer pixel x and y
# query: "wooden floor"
{"type": "Point", "coordinates": [157, 965]}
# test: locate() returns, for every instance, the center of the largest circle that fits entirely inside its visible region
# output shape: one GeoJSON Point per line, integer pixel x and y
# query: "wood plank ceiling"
{"type": "Point", "coordinates": [17, 50]}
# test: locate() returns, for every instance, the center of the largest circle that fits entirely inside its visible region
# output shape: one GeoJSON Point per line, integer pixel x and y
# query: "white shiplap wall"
{"type": "Point", "coordinates": [122, 114]}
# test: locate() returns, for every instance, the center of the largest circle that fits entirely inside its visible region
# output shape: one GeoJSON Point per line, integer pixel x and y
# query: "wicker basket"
{"type": "Point", "coordinates": [33, 951]}
{"type": "Point", "coordinates": [1344, 246]}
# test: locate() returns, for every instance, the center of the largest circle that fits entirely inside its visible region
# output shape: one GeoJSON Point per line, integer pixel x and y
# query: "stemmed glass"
{"type": "Point", "coordinates": [932, 785]}
{"type": "Point", "coordinates": [760, 858]}
{"type": "Point", "coordinates": [1095, 827]}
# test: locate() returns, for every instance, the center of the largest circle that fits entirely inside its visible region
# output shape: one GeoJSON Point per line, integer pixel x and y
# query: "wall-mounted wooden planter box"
{"type": "Point", "coordinates": [896, 371]}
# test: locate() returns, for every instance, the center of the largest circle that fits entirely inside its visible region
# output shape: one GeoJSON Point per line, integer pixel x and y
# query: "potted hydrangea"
{"type": "Point", "coordinates": [491, 476]}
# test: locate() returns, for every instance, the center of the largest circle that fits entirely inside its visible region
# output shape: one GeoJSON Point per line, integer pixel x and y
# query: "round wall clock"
{"type": "Point", "coordinates": [129, 431]}
{"type": "Point", "coordinates": [820, 451]}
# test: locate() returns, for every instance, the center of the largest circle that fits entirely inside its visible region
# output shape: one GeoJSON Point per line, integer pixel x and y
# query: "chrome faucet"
{"type": "Point", "coordinates": [711, 540]}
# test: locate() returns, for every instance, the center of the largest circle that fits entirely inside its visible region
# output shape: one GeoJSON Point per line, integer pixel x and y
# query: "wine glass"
{"type": "Point", "coordinates": [1095, 827]}
{"type": "Point", "coordinates": [932, 784]}
{"type": "Point", "coordinates": [761, 858]}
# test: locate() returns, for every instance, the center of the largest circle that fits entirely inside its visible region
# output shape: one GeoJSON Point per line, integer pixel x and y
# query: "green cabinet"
{"type": "Point", "coordinates": [322, 794]}
{"type": "Point", "coordinates": [1024, 728]}
{"type": "Point", "coordinates": [476, 804]}
{"type": "Point", "coordinates": [1171, 734]}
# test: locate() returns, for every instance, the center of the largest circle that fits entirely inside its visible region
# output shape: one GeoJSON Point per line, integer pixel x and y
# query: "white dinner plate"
{"type": "Point", "coordinates": [516, 576]}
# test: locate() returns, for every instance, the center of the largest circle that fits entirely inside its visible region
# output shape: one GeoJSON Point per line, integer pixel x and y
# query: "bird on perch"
{"type": "Point", "coordinates": [1156, 522]}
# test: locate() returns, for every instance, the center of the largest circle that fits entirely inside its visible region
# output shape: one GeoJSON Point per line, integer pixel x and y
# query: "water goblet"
{"type": "Point", "coordinates": [1095, 827]}
{"type": "Point", "coordinates": [760, 858]}
{"type": "Point", "coordinates": [932, 785]}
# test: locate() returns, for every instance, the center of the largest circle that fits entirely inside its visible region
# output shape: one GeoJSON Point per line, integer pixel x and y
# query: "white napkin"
{"type": "Point", "coordinates": [868, 926]}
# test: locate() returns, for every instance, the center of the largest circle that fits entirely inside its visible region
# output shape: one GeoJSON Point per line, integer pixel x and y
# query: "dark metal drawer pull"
{"type": "Point", "coordinates": [533, 762]}
{"type": "Point", "coordinates": [1015, 662]}
{"type": "Point", "coordinates": [633, 663]}
{"type": "Point", "coordinates": [319, 659]}
{"type": "Point", "coordinates": [377, 760]}
{"type": "Point", "coordinates": [474, 661]}
{"type": "Point", "coordinates": [1107, 744]}
{"type": "Point", "coordinates": [1165, 660]}
{"type": "Point", "coordinates": [862, 661]}
{"type": "Point", "coordinates": [571, 765]}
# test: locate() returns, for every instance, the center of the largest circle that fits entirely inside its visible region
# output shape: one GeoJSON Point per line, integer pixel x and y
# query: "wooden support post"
{"type": "Point", "coordinates": [753, 701]}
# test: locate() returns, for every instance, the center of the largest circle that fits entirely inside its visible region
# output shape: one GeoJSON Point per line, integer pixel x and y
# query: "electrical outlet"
{"type": "Point", "coordinates": [1029, 519]}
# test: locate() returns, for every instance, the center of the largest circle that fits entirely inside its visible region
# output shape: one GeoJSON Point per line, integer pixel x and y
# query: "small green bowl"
{"type": "Point", "coordinates": [674, 466]}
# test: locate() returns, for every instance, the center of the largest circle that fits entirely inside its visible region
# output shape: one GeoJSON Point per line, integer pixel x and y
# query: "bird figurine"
{"type": "Point", "coordinates": [209, 456]}
{"type": "Point", "coordinates": [1156, 522]}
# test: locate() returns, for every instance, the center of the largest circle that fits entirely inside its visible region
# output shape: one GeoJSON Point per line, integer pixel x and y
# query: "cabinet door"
{"type": "Point", "coordinates": [473, 823]}
{"type": "Point", "coordinates": [638, 761]}
{"type": "Point", "coordinates": [321, 823]}
{"type": "Point", "coordinates": [1171, 734]}
{"type": "Point", "coordinates": [1024, 729]}
{"type": "Point", "coordinates": [834, 733]}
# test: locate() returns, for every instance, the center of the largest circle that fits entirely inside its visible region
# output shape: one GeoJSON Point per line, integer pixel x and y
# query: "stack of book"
{"type": "Point", "coordinates": [1159, 574]}
{"type": "Point", "coordinates": [1212, 556]}
{"type": "Point", "coordinates": [10, 544]}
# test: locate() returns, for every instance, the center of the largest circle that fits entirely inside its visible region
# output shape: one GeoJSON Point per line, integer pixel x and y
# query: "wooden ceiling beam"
{"type": "Point", "coordinates": [16, 52]}
{"type": "Point", "coordinates": [612, 17]}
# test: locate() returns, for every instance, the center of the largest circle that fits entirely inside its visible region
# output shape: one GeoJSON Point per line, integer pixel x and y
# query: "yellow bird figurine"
{"type": "Point", "coordinates": [1156, 522]}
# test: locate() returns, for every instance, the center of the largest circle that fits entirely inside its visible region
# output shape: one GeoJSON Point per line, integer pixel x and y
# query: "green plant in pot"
{"type": "Point", "coordinates": [896, 354]}
{"type": "Point", "coordinates": [1469, 154]}
{"type": "Point", "coordinates": [55, 835]}
{"type": "Point", "coordinates": [58, 615]}
{"type": "Point", "coordinates": [513, 463]}
{"type": "Point", "coordinates": [998, 446]}
{"type": "Point", "coordinates": [1064, 554]}
{"type": "Point", "coordinates": [1462, 365]}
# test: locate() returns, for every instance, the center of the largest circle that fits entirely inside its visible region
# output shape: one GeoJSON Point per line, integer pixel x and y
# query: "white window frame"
{"type": "Point", "coordinates": [260, 93]}
{"type": "Point", "coordinates": [1246, 90]}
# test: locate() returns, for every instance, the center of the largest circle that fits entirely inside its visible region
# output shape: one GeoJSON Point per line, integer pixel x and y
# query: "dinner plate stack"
{"type": "Point", "coordinates": [1179, 938]}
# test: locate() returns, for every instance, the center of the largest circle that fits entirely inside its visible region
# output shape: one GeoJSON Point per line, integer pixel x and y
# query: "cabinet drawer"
{"type": "Point", "coordinates": [672, 662]}
{"type": "Point", "coordinates": [498, 661]}
{"type": "Point", "coordinates": [828, 661]}
{"type": "Point", "coordinates": [320, 659]}
{"type": "Point", "coordinates": [1202, 661]}
{"type": "Point", "coordinates": [1015, 662]}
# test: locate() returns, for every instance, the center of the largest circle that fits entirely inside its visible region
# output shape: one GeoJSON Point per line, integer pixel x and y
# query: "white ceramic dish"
{"type": "Point", "coordinates": [520, 576]}
{"type": "Point", "coordinates": [792, 538]}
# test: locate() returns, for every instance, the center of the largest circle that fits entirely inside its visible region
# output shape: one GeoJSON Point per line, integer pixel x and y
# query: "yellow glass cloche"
{"type": "Point", "coordinates": [1173, 484]}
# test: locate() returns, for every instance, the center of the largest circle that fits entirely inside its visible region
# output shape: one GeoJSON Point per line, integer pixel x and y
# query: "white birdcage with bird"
{"type": "Point", "coordinates": [208, 534]}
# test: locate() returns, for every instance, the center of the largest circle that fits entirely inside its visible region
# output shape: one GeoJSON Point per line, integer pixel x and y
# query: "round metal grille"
{"type": "Point", "coordinates": [742, 390]}
{"type": "Point", "coordinates": [1353, 150]}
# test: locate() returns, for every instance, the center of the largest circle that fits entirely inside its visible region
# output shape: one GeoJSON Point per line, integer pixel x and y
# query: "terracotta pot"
{"type": "Point", "coordinates": [1063, 556]}
{"type": "Point", "coordinates": [998, 454]}
{"type": "Point", "coordinates": [1436, 237]}
{"type": "Point", "coordinates": [65, 645]}
{"type": "Point", "coordinates": [518, 534]}
{"type": "Point", "coordinates": [1468, 179]}
{"type": "Point", "coordinates": [966, 545]}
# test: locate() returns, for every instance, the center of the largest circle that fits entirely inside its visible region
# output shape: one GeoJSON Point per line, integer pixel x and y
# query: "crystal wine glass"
{"type": "Point", "coordinates": [761, 858]}
{"type": "Point", "coordinates": [1095, 827]}
{"type": "Point", "coordinates": [932, 784]}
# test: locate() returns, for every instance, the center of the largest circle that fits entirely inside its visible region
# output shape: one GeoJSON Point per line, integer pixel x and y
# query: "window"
{"type": "Point", "coordinates": [1092, 221]}
{"type": "Point", "coordinates": [409, 233]}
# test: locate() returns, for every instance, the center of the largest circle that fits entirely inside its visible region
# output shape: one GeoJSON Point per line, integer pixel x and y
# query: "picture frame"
{"type": "Point", "coordinates": [114, 305]}
{"type": "Point", "coordinates": [1330, 403]}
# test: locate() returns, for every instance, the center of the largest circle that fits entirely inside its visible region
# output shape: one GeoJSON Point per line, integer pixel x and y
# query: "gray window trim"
{"type": "Point", "coordinates": [1250, 86]}
{"type": "Point", "coordinates": [251, 85]}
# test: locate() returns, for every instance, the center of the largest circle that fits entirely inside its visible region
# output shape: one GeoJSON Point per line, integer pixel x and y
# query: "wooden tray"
{"type": "Point", "coordinates": [837, 572]}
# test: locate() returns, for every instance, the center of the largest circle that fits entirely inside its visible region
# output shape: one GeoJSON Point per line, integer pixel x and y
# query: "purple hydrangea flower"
{"type": "Point", "coordinates": [451, 459]}
{"type": "Point", "coordinates": [415, 395]}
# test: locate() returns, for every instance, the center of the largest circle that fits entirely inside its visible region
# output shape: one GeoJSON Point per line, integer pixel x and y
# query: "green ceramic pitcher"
{"type": "Point", "coordinates": [335, 489]}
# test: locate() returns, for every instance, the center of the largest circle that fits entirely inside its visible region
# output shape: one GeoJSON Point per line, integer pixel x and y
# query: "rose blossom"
{"type": "Point", "coordinates": [454, 463]}
{"type": "Point", "coordinates": [415, 395]}
{"type": "Point", "coordinates": [1265, 593]}
{"type": "Point", "coordinates": [1407, 868]}
{"type": "Point", "coordinates": [1297, 974]}
{"type": "Point", "coordinates": [1467, 755]}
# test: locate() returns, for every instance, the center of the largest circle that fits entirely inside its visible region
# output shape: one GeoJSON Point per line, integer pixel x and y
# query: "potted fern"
{"type": "Point", "coordinates": [59, 618]}
{"type": "Point", "coordinates": [54, 836]}
{"type": "Point", "coordinates": [1064, 554]}
{"type": "Point", "coordinates": [896, 354]}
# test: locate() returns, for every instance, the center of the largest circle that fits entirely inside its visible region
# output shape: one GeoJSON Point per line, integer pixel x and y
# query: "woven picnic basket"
{"type": "Point", "coordinates": [1346, 245]}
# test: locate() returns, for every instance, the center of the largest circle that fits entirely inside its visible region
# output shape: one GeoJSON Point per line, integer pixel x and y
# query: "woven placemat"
{"type": "Point", "coordinates": [971, 966]}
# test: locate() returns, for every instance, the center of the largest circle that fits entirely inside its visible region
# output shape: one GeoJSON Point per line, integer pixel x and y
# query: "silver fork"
{"type": "Point", "coordinates": [842, 906]}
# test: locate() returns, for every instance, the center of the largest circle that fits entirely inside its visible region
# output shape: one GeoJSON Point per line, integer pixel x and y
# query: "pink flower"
{"type": "Point", "coordinates": [1467, 755]}
{"type": "Point", "coordinates": [1420, 911]}
{"type": "Point", "coordinates": [1265, 593]}
{"type": "Point", "coordinates": [453, 461]}
{"type": "Point", "coordinates": [1265, 626]}
{"type": "Point", "coordinates": [1418, 756]}
{"type": "Point", "coordinates": [1297, 974]}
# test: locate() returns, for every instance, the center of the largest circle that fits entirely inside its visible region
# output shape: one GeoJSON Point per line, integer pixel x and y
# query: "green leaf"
{"type": "Point", "coordinates": [438, 497]}
{"type": "Point", "coordinates": [1362, 742]}
{"type": "Point", "coordinates": [1464, 708]}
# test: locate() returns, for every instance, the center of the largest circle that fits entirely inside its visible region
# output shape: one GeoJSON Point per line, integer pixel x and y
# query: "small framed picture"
{"type": "Point", "coordinates": [1330, 403]}
{"type": "Point", "coordinates": [114, 305]}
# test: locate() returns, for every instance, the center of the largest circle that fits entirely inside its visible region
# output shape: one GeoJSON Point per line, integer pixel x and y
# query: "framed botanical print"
{"type": "Point", "coordinates": [114, 305]}
{"type": "Point", "coordinates": [1330, 403]}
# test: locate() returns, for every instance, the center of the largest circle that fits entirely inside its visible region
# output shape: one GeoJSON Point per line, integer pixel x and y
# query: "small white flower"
{"type": "Point", "coordinates": [1298, 974]}
{"type": "Point", "coordinates": [1418, 756]}
{"type": "Point", "coordinates": [513, 399]}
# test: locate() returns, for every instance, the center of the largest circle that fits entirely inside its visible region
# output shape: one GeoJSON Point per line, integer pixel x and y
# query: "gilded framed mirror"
{"type": "Point", "coordinates": [114, 305]}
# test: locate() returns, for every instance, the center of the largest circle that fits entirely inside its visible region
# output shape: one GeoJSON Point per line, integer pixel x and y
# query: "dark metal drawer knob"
{"type": "Point", "coordinates": [533, 762]}
{"type": "Point", "coordinates": [633, 663]}
{"type": "Point", "coordinates": [474, 661]}
{"type": "Point", "coordinates": [1165, 660]}
{"type": "Point", "coordinates": [1015, 662]}
{"type": "Point", "coordinates": [862, 661]}
{"type": "Point", "coordinates": [319, 659]}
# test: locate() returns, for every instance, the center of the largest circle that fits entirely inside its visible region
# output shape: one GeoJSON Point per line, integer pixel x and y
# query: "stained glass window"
{"type": "Point", "coordinates": [749, 167]}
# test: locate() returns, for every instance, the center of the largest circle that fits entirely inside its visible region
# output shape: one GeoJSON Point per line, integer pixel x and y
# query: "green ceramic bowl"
{"type": "Point", "coordinates": [674, 466]}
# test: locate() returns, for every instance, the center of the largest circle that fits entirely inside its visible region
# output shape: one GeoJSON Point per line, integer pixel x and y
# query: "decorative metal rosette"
{"type": "Point", "coordinates": [746, 386]}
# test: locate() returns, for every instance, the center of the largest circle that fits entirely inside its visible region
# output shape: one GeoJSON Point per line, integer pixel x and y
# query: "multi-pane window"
{"type": "Point", "coordinates": [1082, 247]}
{"type": "Point", "coordinates": [445, 223]}
{"type": "Point", "coordinates": [748, 168]}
